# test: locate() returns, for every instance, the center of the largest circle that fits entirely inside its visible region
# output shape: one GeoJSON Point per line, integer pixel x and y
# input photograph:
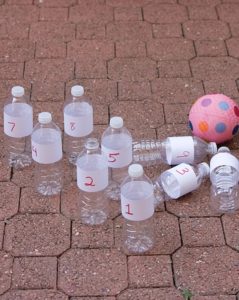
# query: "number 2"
{"type": "Point", "coordinates": [91, 181]}
{"type": "Point", "coordinates": [13, 125]}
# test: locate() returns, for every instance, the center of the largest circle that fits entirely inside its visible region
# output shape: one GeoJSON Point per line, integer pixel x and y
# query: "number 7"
{"type": "Point", "coordinates": [13, 125]}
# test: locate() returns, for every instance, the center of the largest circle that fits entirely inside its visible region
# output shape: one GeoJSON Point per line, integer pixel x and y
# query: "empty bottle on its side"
{"type": "Point", "coordinates": [179, 180]}
{"type": "Point", "coordinates": [224, 176]}
{"type": "Point", "coordinates": [47, 154]}
{"type": "Point", "coordinates": [116, 144]}
{"type": "Point", "coordinates": [92, 180]}
{"type": "Point", "coordinates": [18, 125]}
{"type": "Point", "coordinates": [78, 122]}
{"type": "Point", "coordinates": [172, 150]}
{"type": "Point", "coordinates": [137, 207]}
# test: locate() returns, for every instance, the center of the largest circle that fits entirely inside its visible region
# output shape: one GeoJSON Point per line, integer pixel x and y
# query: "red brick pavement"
{"type": "Point", "coordinates": [147, 60]}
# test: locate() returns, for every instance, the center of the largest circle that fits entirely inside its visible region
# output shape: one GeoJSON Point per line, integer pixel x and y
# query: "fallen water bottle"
{"type": "Point", "coordinates": [116, 144]}
{"type": "Point", "coordinates": [78, 122]}
{"type": "Point", "coordinates": [47, 154]}
{"type": "Point", "coordinates": [137, 207]}
{"type": "Point", "coordinates": [179, 180]}
{"type": "Point", "coordinates": [172, 150]}
{"type": "Point", "coordinates": [92, 180]}
{"type": "Point", "coordinates": [224, 176]}
{"type": "Point", "coordinates": [18, 125]}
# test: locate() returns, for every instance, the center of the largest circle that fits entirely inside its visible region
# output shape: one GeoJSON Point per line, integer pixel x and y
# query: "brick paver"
{"type": "Point", "coordinates": [78, 269]}
{"type": "Point", "coordinates": [204, 269]}
{"type": "Point", "coordinates": [9, 200]}
{"type": "Point", "coordinates": [30, 273]}
{"type": "Point", "coordinates": [147, 61]}
{"type": "Point", "coordinates": [47, 235]}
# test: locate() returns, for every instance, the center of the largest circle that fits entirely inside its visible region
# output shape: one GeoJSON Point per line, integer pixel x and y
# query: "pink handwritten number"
{"type": "Point", "coordinates": [184, 154]}
{"type": "Point", "coordinates": [128, 212]}
{"type": "Point", "coordinates": [34, 149]}
{"type": "Point", "coordinates": [112, 156]}
{"type": "Point", "coordinates": [183, 171]}
{"type": "Point", "coordinates": [91, 181]}
{"type": "Point", "coordinates": [13, 125]}
{"type": "Point", "coordinates": [73, 127]}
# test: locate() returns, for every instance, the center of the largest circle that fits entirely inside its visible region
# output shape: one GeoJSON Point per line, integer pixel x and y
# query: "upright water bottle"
{"type": "Point", "coordinates": [172, 150]}
{"type": "Point", "coordinates": [137, 207]}
{"type": "Point", "coordinates": [78, 122]}
{"type": "Point", "coordinates": [224, 176]}
{"type": "Point", "coordinates": [179, 181]}
{"type": "Point", "coordinates": [18, 125]}
{"type": "Point", "coordinates": [92, 180]}
{"type": "Point", "coordinates": [116, 144]}
{"type": "Point", "coordinates": [47, 154]}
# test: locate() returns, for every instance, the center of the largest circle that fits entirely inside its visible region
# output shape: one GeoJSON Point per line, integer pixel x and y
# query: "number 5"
{"type": "Point", "coordinates": [113, 156]}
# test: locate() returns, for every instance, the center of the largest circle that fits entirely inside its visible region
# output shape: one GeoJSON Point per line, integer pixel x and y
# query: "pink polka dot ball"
{"type": "Point", "coordinates": [214, 118]}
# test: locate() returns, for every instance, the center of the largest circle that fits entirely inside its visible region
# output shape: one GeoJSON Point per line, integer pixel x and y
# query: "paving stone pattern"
{"type": "Point", "coordinates": [148, 61]}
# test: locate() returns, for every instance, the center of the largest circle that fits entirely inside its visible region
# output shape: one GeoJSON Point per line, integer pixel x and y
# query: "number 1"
{"type": "Point", "coordinates": [128, 212]}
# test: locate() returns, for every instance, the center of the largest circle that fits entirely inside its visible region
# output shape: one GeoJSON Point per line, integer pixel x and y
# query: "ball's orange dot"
{"type": "Point", "coordinates": [203, 126]}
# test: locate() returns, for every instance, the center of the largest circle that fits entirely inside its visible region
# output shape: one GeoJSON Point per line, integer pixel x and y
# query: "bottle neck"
{"type": "Point", "coordinates": [202, 170]}
{"type": "Point", "coordinates": [212, 148]}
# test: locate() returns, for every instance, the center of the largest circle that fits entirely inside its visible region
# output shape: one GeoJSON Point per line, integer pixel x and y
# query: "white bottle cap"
{"type": "Point", "coordinates": [77, 91]}
{"type": "Point", "coordinates": [213, 147]}
{"type": "Point", "coordinates": [223, 149]}
{"type": "Point", "coordinates": [18, 91]}
{"type": "Point", "coordinates": [223, 159]}
{"type": "Point", "coordinates": [44, 117]}
{"type": "Point", "coordinates": [116, 122]}
{"type": "Point", "coordinates": [135, 170]}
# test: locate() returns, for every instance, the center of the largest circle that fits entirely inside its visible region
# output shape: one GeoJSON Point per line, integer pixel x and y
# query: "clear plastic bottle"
{"type": "Point", "coordinates": [92, 180]}
{"type": "Point", "coordinates": [116, 143]}
{"type": "Point", "coordinates": [78, 122]}
{"type": "Point", "coordinates": [137, 207]}
{"type": "Point", "coordinates": [172, 150]}
{"type": "Point", "coordinates": [18, 125]}
{"type": "Point", "coordinates": [224, 176]}
{"type": "Point", "coordinates": [47, 154]}
{"type": "Point", "coordinates": [179, 181]}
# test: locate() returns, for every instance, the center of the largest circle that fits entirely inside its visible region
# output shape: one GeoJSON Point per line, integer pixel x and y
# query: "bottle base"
{"type": "Point", "coordinates": [95, 217]}
{"type": "Point", "coordinates": [113, 191]}
{"type": "Point", "coordinates": [138, 246]}
{"type": "Point", "coordinates": [19, 161]}
{"type": "Point", "coordinates": [72, 158]}
{"type": "Point", "coordinates": [49, 189]}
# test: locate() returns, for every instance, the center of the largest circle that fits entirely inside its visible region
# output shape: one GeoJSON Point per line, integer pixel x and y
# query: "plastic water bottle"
{"type": "Point", "coordinates": [92, 180]}
{"type": "Point", "coordinates": [179, 180]}
{"type": "Point", "coordinates": [224, 176]}
{"type": "Point", "coordinates": [116, 144]}
{"type": "Point", "coordinates": [78, 122]}
{"type": "Point", "coordinates": [18, 125]}
{"type": "Point", "coordinates": [137, 207]}
{"type": "Point", "coordinates": [172, 150]}
{"type": "Point", "coordinates": [47, 154]}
